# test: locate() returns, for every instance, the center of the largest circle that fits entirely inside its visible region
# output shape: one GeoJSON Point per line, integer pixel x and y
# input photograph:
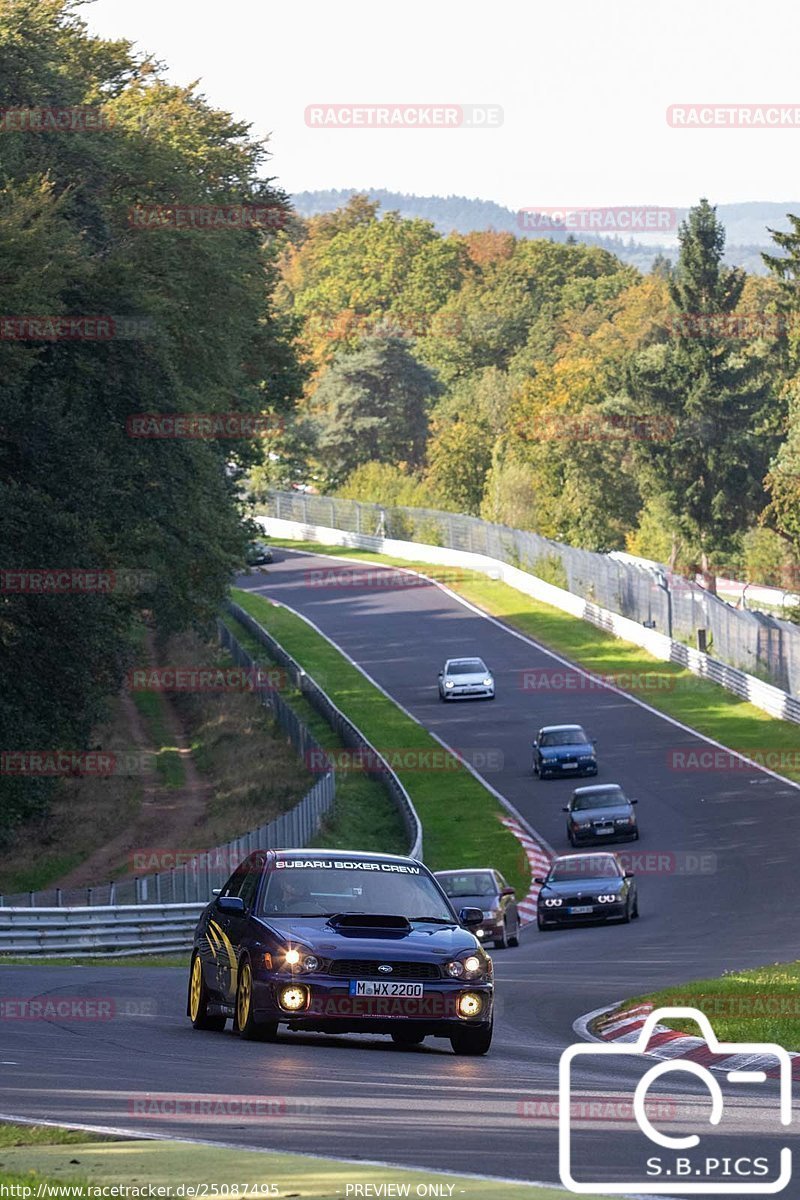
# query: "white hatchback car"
{"type": "Point", "coordinates": [466, 679]}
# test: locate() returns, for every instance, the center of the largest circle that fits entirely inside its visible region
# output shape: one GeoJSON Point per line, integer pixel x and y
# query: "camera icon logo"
{"type": "Point", "coordinates": [676, 1169]}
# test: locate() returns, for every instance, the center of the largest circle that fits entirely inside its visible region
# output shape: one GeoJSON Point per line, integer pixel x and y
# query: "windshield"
{"type": "Point", "coordinates": [568, 737]}
{"type": "Point", "coordinates": [568, 869]}
{"type": "Point", "coordinates": [311, 887]}
{"type": "Point", "coordinates": [609, 799]}
{"type": "Point", "coordinates": [470, 883]}
{"type": "Point", "coordinates": [467, 666]}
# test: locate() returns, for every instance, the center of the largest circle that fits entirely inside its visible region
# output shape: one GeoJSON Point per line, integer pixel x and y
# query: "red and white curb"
{"type": "Point", "coordinates": [626, 1025]}
{"type": "Point", "coordinates": [539, 861]}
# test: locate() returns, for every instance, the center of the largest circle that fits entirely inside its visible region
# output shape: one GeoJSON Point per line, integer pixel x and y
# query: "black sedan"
{"type": "Point", "coordinates": [560, 750]}
{"type": "Point", "coordinates": [486, 889]}
{"type": "Point", "coordinates": [601, 813]}
{"type": "Point", "coordinates": [586, 887]}
{"type": "Point", "coordinates": [340, 942]}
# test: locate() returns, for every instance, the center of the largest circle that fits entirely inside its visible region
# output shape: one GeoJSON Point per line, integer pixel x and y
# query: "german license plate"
{"type": "Point", "coordinates": [604, 828]}
{"type": "Point", "coordinates": [582, 908]}
{"type": "Point", "coordinates": [569, 766]}
{"type": "Point", "coordinates": [381, 987]}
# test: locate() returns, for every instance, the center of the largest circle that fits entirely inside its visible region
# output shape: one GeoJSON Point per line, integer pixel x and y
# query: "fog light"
{"type": "Point", "coordinates": [469, 1004]}
{"type": "Point", "coordinates": [480, 933]}
{"type": "Point", "coordinates": [293, 998]}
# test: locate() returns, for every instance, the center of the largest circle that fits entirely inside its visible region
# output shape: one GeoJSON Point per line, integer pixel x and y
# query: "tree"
{"type": "Point", "coordinates": [702, 401]}
{"type": "Point", "coordinates": [76, 490]}
{"type": "Point", "coordinates": [372, 406]}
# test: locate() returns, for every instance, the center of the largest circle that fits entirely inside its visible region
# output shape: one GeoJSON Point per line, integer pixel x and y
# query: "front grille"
{"type": "Point", "coordinates": [367, 968]}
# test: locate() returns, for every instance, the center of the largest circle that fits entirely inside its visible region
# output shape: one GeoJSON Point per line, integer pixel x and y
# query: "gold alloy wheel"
{"type": "Point", "coordinates": [244, 996]}
{"type": "Point", "coordinates": [195, 988]}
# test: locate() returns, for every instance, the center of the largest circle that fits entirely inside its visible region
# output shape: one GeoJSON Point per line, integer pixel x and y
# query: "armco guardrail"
{"type": "Point", "coordinates": [110, 932]}
{"type": "Point", "coordinates": [191, 877]}
{"type": "Point", "coordinates": [753, 642]}
{"type": "Point", "coordinates": [763, 695]}
{"type": "Point", "coordinates": [348, 732]}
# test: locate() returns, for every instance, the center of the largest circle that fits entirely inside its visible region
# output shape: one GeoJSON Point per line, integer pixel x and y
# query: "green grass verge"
{"type": "Point", "coordinates": [151, 706]}
{"type": "Point", "coordinates": [460, 818]}
{"type": "Point", "coordinates": [671, 689]}
{"type": "Point", "coordinates": [363, 815]}
{"type": "Point", "coordinates": [760, 1005]}
{"type": "Point", "coordinates": [169, 1164]}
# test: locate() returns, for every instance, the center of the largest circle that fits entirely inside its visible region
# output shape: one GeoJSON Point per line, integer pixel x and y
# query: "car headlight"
{"type": "Point", "coordinates": [553, 902]}
{"type": "Point", "coordinates": [470, 967]}
{"type": "Point", "coordinates": [490, 914]}
{"type": "Point", "coordinates": [609, 898]}
{"type": "Point", "coordinates": [448, 683]}
{"type": "Point", "coordinates": [299, 960]}
{"type": "Point", "coordinates": [488, 681]}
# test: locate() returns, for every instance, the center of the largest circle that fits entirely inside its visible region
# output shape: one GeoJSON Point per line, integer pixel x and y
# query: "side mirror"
{"type": "Point", "coordinates": [534, 744]}
{"type": "Point", "coordinates": [565, 808]}
{"type": "Point", "coordinates": [538, 879]}
{"type": "Point", "coordinates": [215, 891]}
{"type": "Point", "coordinates": [634, 801]}
{"type": "Point", "coordinates": [508, 891]}
{"type": "Point", "coordinates": [594, 742]}
{"type": "Point", "coordinates": [628, 875]}
{"type": "Point", "coordinates": [471, 917]}
{"type": "Point", "coordinates": [231, 904]}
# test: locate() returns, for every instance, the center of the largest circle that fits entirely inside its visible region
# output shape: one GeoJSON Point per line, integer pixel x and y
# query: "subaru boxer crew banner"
{"type": "Point", "coordinates": [340, 942]}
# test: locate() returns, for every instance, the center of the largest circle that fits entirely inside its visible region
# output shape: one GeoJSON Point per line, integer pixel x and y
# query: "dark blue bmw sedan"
{"type": "Point", "coordinates": [336, 941]}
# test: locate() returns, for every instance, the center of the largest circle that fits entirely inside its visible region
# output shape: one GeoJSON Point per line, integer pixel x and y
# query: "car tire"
{"type": "Point", "coordinates": [408, 1036]}
{"type": "Point", "coordinates": [472, 1041]}
{"type": "Point", "coordinates": [543, 925]}
{"type": "Point", "coordinates": [572, 841]}
{"type": "Point", "coordinates": [197, 1001]}
{"type": "Point", "coordinates": [628, 912]}
{"type": "Point", "coordinates": [635, 913]}
{"type": "Point", "coordinates": [501, 943]}
{"type": "Point", "coordinates": [245, 1023]}
{"type": "Point", "coordinates": [513, 939]}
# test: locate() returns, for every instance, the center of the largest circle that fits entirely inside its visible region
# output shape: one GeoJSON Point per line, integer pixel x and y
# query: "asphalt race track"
{"type": "Point", "coordinates": [722, 896]}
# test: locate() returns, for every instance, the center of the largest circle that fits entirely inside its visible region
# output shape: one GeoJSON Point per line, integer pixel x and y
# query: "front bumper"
{"type": "Point", "coordinates": [600, 912]}
{"type": "Point", "coordinates": [627, 833]}
{"type": "Point", "coordinates": [331, 1008]}
{"type": "Point", "coordinates": [471, 692]}
{"type": "Point", "coordinates": [558, 767]}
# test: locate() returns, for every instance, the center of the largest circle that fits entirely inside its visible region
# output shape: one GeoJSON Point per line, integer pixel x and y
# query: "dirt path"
{"type": "Point", "coordinates": [167, 816]}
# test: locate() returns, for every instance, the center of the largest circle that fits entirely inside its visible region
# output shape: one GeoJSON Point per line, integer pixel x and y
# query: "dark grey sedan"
{"type": "Point", "coordinates": [487, 890]}
{"type": "Point", "coordinates": [601, 813]}
{"type": "Point", "coordinates": [582, 888]}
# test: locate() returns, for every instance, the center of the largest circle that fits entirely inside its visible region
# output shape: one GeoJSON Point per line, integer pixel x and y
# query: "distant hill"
{"type": "Point", "coordinates": [747, 224]}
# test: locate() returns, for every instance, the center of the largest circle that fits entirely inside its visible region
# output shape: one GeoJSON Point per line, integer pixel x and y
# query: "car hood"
{"type": "Point", "coordinates": [589, 887]}
{"type": "Point", "coordinates": [472, 678]}
{"type": "Point", "coordinates": [421, 940]}
{"type": "Point", "coordinates": [602, 814]}
{"type": "Point", "coordinates": [567, 751]}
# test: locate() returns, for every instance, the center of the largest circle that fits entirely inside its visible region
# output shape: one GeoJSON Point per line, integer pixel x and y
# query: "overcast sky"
{"type": "Point", "coordinates": [584, 86]}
